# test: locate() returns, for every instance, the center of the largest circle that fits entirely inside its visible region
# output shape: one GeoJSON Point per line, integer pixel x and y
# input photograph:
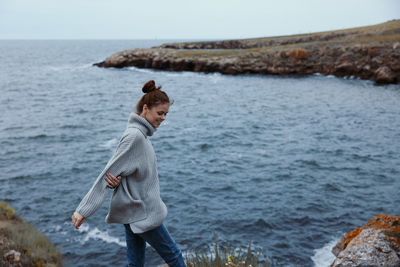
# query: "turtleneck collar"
{"type": "Point", "coordinates": [141, 123]}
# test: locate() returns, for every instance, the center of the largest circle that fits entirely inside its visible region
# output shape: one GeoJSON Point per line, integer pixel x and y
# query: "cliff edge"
{"type": "Point", "coordinates": [371, 52]}
{"type": "Point", "coordinates": [22, 245]}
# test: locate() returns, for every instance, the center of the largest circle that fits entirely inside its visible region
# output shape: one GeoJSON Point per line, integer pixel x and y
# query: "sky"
{"type": "Point", "coordinates": [185, 19]}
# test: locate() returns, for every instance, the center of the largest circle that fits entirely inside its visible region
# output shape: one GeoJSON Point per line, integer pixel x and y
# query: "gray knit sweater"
{"type": "Point", "coordinates": [136, 200]}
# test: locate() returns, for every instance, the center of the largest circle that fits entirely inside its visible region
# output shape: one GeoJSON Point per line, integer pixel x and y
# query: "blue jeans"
{"type": "Point", "coordinates": [159, 239]}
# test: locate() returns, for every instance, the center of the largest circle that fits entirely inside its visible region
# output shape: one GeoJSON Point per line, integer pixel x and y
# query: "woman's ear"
{"type": "Point", "coordinates": [145, 109]}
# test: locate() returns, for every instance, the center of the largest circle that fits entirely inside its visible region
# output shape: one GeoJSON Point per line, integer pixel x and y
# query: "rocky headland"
{"type": "Point", "coordinates": [375, 244]}
{"type": "Point", "coordinates": [371, 52]}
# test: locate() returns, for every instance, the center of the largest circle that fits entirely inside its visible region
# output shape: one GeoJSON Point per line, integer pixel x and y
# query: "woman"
{"type": "Point", "coordinates": [132, 170]}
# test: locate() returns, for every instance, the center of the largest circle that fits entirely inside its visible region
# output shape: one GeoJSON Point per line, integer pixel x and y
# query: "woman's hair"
{"type": "Point", "coordinates": [153, 96]}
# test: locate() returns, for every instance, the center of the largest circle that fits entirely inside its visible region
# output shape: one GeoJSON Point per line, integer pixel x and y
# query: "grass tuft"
{"type": "Point", "coordinates": [222, 257]}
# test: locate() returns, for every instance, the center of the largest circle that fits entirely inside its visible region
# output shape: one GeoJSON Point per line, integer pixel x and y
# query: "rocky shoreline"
{"type": "Point", "coordinates": [371, 52]}
{"type": "Point", "coordinates": [377, 243]}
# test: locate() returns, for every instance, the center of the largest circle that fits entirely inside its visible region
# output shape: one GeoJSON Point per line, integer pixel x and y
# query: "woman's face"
{"type": "Point", "coordinates": [155, 115]}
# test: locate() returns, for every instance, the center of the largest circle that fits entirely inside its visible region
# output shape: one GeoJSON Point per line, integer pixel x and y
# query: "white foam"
{"type": "Point", "coordinates": [179, 74]}
{"type": "Point", "coordinates": [323, 257]}
{"type": "Point", "coordinates": [85, 66]}
{"type": "Point", "coordinates": [236, 155]}
{"type": "Point", "coordinates": [96, 234]}
{"type": "Point", "coordinates": [57, 229]}
{"type": "Point", "coordinates": [63, 68]}
{"type": "Point", "coordinates": [215, 77]}
{"type": "Point", "coordinates": [143, 70]}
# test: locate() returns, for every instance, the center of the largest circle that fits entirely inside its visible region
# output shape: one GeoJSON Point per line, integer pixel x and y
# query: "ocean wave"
{"type": "Point", "coordinates": [110, 143]}
{"type": "Point", "coordinates": [71, 126]}
{"type": "Point", "coordinates": [323, 256]}
{"type": "Point", "coordinates": [32, 137]}
{"type": "Point", "coordinates": [311, 163]}
{"type": "Point", "coordinates": [97, 234]}
{"type": "Point", "coordinates": [59, 229]}
{"type": "Point", "coordinates": [29, 177]}
{"type": "Point", "coordinates": [14, 128]}
{"type": "Point", "coordinates": [39, 136]}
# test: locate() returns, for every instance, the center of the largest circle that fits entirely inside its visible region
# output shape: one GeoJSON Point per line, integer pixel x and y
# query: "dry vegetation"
{"type": "Point", "coordinates": [227, 257]}
{"type": "Point", "coordinates": [376, 34]}
{"type": "Point", "coordinates": [34, 247]}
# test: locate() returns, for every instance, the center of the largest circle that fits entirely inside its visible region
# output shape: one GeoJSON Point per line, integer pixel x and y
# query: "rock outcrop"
{"type": "Point", "coordinates": [341, 61]}
{"type": "Point", "coordinates": [367, 53]}
{"type": "Point", "coordinates": [375, 244]}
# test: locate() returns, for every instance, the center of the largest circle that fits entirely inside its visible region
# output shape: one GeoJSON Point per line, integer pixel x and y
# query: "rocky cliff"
{"type": "Point", "coordinates": [375, 244]}
{"type": "Point", "coordinates": [371, 52]}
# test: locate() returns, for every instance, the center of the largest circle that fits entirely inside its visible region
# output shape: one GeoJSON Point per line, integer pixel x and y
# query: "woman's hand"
{"type": "Point", "coordinates": [77, 219]}
{"type": "Point", "coordinates": [112, 181]}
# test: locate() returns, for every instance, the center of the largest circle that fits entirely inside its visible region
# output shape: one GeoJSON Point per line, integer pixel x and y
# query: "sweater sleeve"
{"type": "Point", "coordinates": [121, 163]}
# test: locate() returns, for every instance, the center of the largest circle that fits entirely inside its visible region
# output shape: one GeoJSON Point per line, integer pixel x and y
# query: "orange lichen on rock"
{"type": "Point", "coordinates": [391, 225]}
{"type": "Point", "coordinates": [298, 53]}
{"type": "Point", "coordinates": [348, 237]}
{"type": "Point", "coordinates": [383, 221]}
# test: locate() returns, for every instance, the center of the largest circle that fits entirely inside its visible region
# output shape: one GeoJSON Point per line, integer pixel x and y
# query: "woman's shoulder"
{"type": "Point", "coordinates": [132, 135]}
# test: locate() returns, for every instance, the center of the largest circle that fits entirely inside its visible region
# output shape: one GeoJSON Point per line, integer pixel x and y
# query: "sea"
{"type": "Point", "coordinates": [286, 164]}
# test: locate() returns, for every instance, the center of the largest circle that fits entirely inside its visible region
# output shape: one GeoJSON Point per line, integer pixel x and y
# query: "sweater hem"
{"type": "Point", "coordinates": [124, 220]}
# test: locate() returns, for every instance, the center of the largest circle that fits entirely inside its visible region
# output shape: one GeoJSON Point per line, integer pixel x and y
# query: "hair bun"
{"type": "Point", "coordinates": [150, 86]}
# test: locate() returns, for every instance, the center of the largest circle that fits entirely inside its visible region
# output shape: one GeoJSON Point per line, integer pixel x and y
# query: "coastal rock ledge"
{"type": "Point", "coordinates": [371, 53]}
{"type": "Point", "coordinates": [375, 244]}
